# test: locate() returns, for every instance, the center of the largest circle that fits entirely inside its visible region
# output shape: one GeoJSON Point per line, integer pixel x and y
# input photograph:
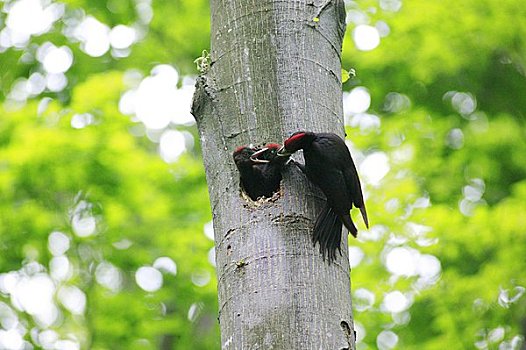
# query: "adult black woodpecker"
{"type": "Point", "coordinates": [259, 169]}
{"type": "Point", "coordinates": [329, 165]}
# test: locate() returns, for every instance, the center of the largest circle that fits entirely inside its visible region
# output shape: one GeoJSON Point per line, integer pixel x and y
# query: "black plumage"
{"type": "Point", "coordinates": [259, 169]}
{"type": "Point", "coordinates": [329, 165]}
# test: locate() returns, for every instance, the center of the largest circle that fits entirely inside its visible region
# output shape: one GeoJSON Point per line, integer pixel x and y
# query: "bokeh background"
{"type": "Point", "coordinates": [106, 239]}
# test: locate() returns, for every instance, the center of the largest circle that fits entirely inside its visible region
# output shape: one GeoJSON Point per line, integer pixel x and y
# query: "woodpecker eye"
{"type": "Point", "coordinates": [273, 148]}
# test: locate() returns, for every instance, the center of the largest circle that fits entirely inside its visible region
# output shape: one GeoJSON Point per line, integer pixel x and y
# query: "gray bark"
{"type": "Point", "coordinates": [275, 69]}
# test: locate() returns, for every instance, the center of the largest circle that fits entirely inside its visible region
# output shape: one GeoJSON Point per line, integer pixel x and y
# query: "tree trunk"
{"type": "Point", "coordinates": [275, 68]}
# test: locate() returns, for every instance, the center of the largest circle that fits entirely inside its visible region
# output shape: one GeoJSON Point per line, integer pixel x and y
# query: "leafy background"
{"type": "Point", "coordinates": [105, 234]}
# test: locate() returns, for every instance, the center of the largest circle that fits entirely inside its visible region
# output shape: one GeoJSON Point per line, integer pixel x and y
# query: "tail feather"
{"type": "Point", "coordinates": [328, 233]}
{"type": "Point", "coordinates": [335, 238]}
{"type": "Point", "coordinates": [347, 221]}
{"type": "Point", "coordinates": [364, 215]}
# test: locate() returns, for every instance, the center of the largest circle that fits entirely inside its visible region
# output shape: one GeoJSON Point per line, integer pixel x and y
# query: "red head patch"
{"type": "Point", "coordinates": [239, 149]}
{"type": "Point", "coordinates": [294, 139]}
{"type": "Point", "coordinates": [273, 145]}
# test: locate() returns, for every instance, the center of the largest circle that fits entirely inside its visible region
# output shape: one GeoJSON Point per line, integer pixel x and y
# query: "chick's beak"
{"type": "Point", "coordinates": [255, 155]}
{"type": "Point", "coordinates": [282, 152]}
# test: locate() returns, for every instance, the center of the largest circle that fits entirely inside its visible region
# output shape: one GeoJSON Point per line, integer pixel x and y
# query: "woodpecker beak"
{"type": "Point", "coordinates": [283, 152]}
{"type": "Point", "coordinates": [254, 157]}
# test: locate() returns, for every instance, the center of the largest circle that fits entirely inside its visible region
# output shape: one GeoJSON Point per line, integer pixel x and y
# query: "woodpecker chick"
{"type": "Point", "coordinates": [259, 169]}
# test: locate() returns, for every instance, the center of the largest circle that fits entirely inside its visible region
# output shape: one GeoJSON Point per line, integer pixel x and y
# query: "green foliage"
{"type": "Point", "coordinates": [347, 74]}
{"type": "Point", "coordinates": [447, 85]}
{"type": "Point", "coordinates": [48, 168]}
{"type": "Point", "coordinates": [467, 162]}
{"type": "Point", "coordinates": [480, 251]}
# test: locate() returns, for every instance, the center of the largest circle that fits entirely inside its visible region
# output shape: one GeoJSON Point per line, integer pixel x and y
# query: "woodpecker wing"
{"type": "Point", "coordinates": [342, 160]}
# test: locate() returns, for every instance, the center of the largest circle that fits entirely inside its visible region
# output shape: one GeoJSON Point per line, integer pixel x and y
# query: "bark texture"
{"type": "Point", "coordinates": [275, 69]}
